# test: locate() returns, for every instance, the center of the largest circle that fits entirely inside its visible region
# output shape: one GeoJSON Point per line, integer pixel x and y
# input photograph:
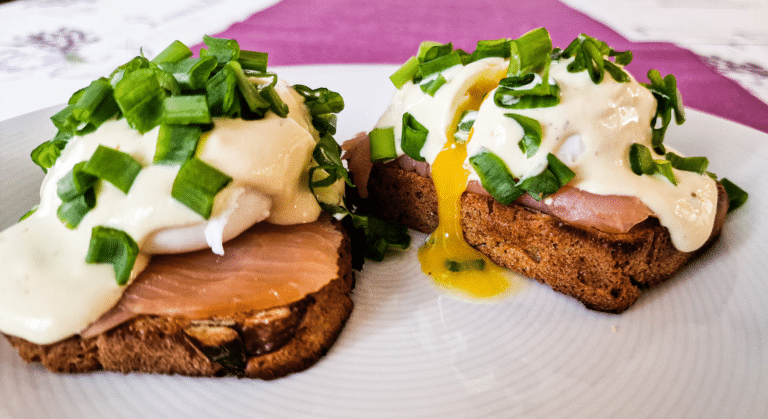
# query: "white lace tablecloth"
{"type": "Point", "coordinates": [49, 49]}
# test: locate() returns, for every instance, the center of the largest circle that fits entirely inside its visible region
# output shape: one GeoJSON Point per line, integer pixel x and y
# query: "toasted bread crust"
{"type": "Point", "coordinates": [265, 344]}
{"type": "Point", "coordinates": [605, 271]}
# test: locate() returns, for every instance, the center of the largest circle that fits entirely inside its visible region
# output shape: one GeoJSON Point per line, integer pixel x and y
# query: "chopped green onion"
{"type": "Point", "coordinates": [495, 177]}
{"type": "Point", "coordinates": [530, 52]}
{"type": "Point", "coordinates": [736, 196]}
{"type": "Point", "coordinates": [325, 123]}
{"type": "Point", "coordinates": [46, 154]}
{"type": "Point", "coordinates": [439, 64]}
{"type": "Point", "coordinates": [72, 211]}
{"type": "Point", "coordinates": [114, 166]}
{"type": "Point", "coordinates": [184, 110]}
{"type": "Point", "coordinates": [75, 183]}
{"type": "Point", "coordinates": [173, 53]}
{"type": "Point", "coordinates": [664, 168]}
{"type": "Point", "coordinates": [532, 134]}
{"type": "Point", "coordinates": [382, 144]}
{"type": "Point", "coordinates": [65, 121]}
{"type": "Point", "coordinates": [690, 164]}
{"type": "Point", "coordinates": [413, 137]}
{"type": "Point", "coordinates": [256, 103]}
{"type": "Point", "coordinates": [96, 104]}
{"type": "Point", "coordinates": [381, 235]}
{"type": "Point", "coordinates": [191, 73]}
{"type": "Point", "coordinates": [322, 101]}
{"type": "Point", "coordinates": [221, 90]}
{"type": "Point", "coordinates": [549, 181]}
{"type": "Point", "coordinates": [327, 154]}
{"type": "Point", "coordinates": [253, 60]}
{"type": "Point", "coordinates": [491, 48]}
{"type": "Point", "coordinates": [641, 160]}
{"type": "Point", "coordinates": [466, 123]}
{"type": "Point", "coordinates": [668, 99]}
{"type": "Point", "coordinates": [527, 91]}
{"type": "Point", "coordinates": [405, 73]}
{"type": "Point", "coordinates": [541, 185]}
{"type": "Point", "coordinates": [197, 184]}
{"type": "Point", "coordinates": [276, 103]}
{"type": "Point", "coordinates": [176, 143]}
{"type": "Point", "coordinates": [433, 85]}
{"type": "Point", "coordinates": [140, 99]}
{"type": "Point", "coordinates": [563, 173]}
{"type": "Point", "coordinates": [116, 247]}
{"type": "Point", "coordinates": [223, 49]}
{"type": "Point", "coordinates": [466, 265]}
{"type": "Point", "coordinates": [589, 54]}
{"type": "Point", "coordinates": [430, 50]}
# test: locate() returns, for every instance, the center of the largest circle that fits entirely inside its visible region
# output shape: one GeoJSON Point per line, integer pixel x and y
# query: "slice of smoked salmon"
{"type": "Point", "coordinates": [266, 266]}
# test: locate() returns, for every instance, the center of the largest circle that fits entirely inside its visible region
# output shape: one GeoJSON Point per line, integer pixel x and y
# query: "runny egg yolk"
{"type": "Point", "coordinates": [445, 255]}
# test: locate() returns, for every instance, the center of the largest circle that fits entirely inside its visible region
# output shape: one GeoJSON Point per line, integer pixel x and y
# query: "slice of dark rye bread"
{"type": "Point", "coordinates": [264, 344]}
{"type": "Point", "coordinates": [605, 271]}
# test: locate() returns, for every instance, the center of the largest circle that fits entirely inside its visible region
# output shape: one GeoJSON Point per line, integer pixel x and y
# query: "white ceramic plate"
{"type": "Point", "coordinates": [696, 346]}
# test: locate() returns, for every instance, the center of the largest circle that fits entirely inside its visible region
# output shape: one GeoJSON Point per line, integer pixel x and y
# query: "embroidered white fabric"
{"type": "Point", "coordinates": [51, 48]}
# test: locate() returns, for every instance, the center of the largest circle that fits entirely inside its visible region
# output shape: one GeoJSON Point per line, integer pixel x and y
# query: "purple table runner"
{"type": "Point", "coordinates": [297, 32]}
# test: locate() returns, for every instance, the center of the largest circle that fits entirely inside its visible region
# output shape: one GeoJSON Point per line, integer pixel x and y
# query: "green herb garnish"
{"type": "Point", "coordinates": [115, 247]}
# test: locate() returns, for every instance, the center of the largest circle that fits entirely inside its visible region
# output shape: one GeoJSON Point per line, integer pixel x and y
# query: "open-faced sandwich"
{"type": "Point", "coordinates": [546, 161]}
{"type": "Point", "coordinates": [189, 223]}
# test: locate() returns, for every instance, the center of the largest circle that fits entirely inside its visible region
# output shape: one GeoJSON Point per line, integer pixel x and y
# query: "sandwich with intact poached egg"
{"type": "Point", "coordinates": [189, 223]}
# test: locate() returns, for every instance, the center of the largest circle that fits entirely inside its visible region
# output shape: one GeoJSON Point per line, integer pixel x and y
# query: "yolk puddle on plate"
{"type": "Point", "coordinates": [445, 255]}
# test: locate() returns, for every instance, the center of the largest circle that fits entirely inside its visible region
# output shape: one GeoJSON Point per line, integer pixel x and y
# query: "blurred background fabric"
{"type": "Point", "coordinates": [717, 49]}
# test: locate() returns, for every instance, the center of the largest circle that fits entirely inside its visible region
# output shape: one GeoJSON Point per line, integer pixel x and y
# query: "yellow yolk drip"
{"type": "Point", "coordinates": [446, 256]}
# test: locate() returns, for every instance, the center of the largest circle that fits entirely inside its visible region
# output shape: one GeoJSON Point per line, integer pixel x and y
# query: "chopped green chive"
{"type": "Point", "coordinates": [532, 134]}
{"type": "Point", "coordinates": [46, 154]}
{"type": "Point", "coordinates": [184, 110]}
{"type": "Point", "coordinates": [221, 91]}
{"type": "Point", "coordinates": [530, 52]}
{"type": "Point", "coordinates": [73, 211]}
{"type": "Point", "coordinates": [405, 73]}
{"type": "Point", "coordinates": [691, 164]}
{"type": "Point", "coordinates": [491, 48]}
{"type": "Point", "coordinates": [736, 196]}
{"type": "Point", "coordinates": [197, 184]}
{"type": "Point", "coordinates": [495, 177]}
{"type": "Point", "coordinates": [223, 49]}
{"type": "Point", "coordinates": [75, 183]}
{"type": "Point", "coordinates": [173, 53]}
{"type": "Point", "coordinates": [140, 99]}
{"type": "Point", "coordinates": [382, 144]}
{"type": "Point", "coordinates": [96, 104]}
{"type": "Point", "coordinates": [176, 143]}
{"type": "Point", "coordinates": [465, 126]}
{"type": "Point", "coordinates": [413, 137]}
{"type": "Point", "coordinates": [114, 166]}
{"type": "Point", "coordinates": [439, 64]}
{"type": "Point", "coordinates": [191, 73]}
{"type": "Point", "coordinates": [465, 265]}
{"type": "Point", "coordinates": [433, 85]}
{"type": "Point", "coordinates": [563, 173]}
{"type": "Point", "coordinates": [115, 247]}
{"type": "Point", "coordinates": [276, 103]}
{"type": "Point", "coordinates": [641, 160]}
{"type": "Point", "coordinates": [253, 60]}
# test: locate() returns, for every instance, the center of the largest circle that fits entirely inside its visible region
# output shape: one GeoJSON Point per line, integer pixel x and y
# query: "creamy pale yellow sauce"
{"type": "Point", "coordinates": [48, 292]}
